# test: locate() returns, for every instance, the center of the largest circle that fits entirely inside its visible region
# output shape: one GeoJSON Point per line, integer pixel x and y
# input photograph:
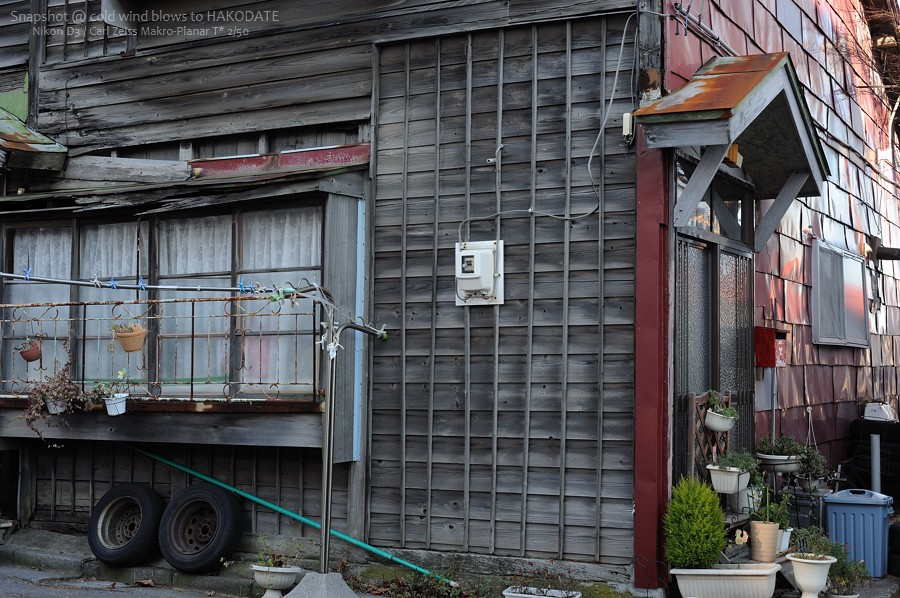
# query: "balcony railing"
{"type": "Point", "coordinates": [230, 349]}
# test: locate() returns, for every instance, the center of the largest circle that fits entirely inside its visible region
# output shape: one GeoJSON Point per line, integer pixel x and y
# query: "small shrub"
{"type": "Point", "coordinates": [694, 526]}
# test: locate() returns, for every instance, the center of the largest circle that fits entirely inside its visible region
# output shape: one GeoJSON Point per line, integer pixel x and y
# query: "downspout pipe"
{"type": "Point", "coordinates": [358, 543]}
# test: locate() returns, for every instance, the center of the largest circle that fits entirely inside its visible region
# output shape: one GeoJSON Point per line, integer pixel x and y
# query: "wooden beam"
{"type": "Point", "coordinates": [240, 429]}
{"type": "Point", "coordinates": [698, 183]}
{"type": "Point", "coordinates": [775, 213]}
{"type": "Point", "coordinates": [730, 226]}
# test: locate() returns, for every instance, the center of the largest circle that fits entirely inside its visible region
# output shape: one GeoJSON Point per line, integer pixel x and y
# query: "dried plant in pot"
{"type": "Point", "coordinates": [275, 568]}
{"type": "Point", "coordinates": [56, 395]}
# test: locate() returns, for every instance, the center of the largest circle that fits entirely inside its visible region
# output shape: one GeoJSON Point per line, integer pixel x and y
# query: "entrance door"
{"type": "Point", "coordinates": [713, 335]}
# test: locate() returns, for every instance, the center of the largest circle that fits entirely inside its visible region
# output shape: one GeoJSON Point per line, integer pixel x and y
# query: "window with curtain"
{"type": "Point", "coordinates": [205, 348]}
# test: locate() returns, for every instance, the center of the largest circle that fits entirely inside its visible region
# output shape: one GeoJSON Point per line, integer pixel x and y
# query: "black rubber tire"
{"type": "Point", "coordinates": [124, 525]}
{"type": "Point", "coordinates": [201, 524]}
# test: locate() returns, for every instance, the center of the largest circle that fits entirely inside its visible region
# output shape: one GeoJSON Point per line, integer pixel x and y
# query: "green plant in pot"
{"type": "Point", "coordinates": [783, 455]}
{"type": "Point", "coordinates": [765, 521]}
{"type": "Point", "coordinates": [813, 468]}
{"type": "Point", "coordinates": [812, 561]}
{"type": "Point", "coordinates": [694, 526]}
{"type": "Point", "coordinates": [846, 577]}
{"type": "Point", "coordinates": [695, 535]}
{"type": "Point", "coordinates": [719, 416]}
{"type": "Point", "coordinates": [732, 471]}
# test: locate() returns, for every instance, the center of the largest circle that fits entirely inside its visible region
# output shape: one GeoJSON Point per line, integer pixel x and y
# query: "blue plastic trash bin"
{"type": "Point", "coordinates": [859, 519]}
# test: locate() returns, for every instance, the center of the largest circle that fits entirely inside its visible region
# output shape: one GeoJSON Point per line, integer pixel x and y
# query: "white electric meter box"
{"type": "Point", "coordinates": [479, 273]}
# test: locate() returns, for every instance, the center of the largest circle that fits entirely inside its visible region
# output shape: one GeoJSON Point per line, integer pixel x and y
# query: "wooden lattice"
{"type": "Point", "coordinates": [705, 444]}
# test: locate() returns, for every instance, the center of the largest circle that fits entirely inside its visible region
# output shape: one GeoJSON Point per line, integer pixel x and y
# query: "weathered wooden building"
{"type": "Point", "coordinates": [249, 145]}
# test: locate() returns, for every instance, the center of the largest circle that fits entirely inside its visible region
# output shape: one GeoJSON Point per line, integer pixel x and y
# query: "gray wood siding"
{"type": "Point", "coordinates": [14, 33]}
{"type": "Point", "coordinates": [310, 66]}
{"type": "Point", "coordinates": [70, 479]}
{"type": "Point", "coordinates": [504, 429]}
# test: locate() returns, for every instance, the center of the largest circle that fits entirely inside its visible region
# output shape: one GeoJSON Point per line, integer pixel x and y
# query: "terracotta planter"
{"type": "Point", "coordinates": [32, 353]}
{"type": "Point", "coordinates": [133, 341]}
{"type": "Point", "coordinates": [763, 541]}
{"type": "Point", "coordinates": [274, 579]}
{"type": "Point", "coordinates": [718, 423]}
{"type": "Point", "coordinates": [811, 575]}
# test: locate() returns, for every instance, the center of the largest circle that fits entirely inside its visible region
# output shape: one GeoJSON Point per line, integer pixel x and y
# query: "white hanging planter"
{"type": "Point", "coordinates": [717, 422]}
{"type": "Point", "coordinates": [115, 405]}
{"type": "Point", "coordinates": [524, 592]}
{"type": "Point", "coordinates": [811, 575]}
{"type": "Point", "coordinates": [750, 580]}
{"type": "Point", "coordinates": [779, 463]}
{"type": "Point", "coordinates": [727, 480]}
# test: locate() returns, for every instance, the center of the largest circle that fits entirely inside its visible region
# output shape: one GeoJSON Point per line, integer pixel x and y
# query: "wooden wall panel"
{"type": "Point", "coordinates": [71, 478]}
{"type": "Point", "coordinates": [519, 414]}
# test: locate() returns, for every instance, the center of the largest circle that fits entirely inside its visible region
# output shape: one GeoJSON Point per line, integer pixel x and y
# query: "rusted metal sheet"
{"type": "Point", "coordinates": [27, 148]}
{"type": "Point", "coordinates": [316, 159]}
{"type": "Point", "coordinates": [717, 88]}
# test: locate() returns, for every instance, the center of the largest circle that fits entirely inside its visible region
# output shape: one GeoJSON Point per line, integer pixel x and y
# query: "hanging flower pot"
{"type": "Point", "coordinates": [30, 350]}
{"type": "Point", "coordinates": [718, 422]}
{"type": "Point", "coordinates": [56, 406]}
{"type": "Point", "coordinates": [130, 337]}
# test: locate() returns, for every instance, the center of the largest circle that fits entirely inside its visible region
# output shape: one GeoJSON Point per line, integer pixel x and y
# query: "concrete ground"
{"type": "Point", "coordinates": [44, 564]}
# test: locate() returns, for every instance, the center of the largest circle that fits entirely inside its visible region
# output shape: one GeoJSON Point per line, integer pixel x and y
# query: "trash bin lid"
{"type": "Point", "coordinates": [857, 496]}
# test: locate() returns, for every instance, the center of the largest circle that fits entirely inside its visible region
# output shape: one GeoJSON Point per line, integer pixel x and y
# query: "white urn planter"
{"type": "Point", "coordinates": [718, 422]}
{"type": "Point", "coordinates": [274, 579]}
{"type": "Point", "coordinates": [115, 405]}
{"type": "Point", "coordinates": [750, 580]}
{"type": "Point", "coordinates": [727, 480]}
{"type": "Point", "coordinates": [811, 575]}
{"type": "Point", "coordinates": [779, 463]}
{"type": "Point", "coordinates": [525, 592]}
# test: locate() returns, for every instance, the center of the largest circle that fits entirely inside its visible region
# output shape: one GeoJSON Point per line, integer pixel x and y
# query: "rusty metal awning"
{"type": "Point", "coordinates": [23, 147]}
{"type": "Point", "coordinates": [756, 103]}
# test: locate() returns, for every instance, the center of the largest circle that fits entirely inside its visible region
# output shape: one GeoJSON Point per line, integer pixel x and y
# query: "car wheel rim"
{"type": "Point", "coordinates": [195, 527]}
{"type": "Point", "coordinates": [119, 523]}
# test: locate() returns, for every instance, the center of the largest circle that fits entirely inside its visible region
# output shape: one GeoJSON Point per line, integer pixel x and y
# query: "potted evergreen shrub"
{"type": "Point", "coordinates": [783, 455]}
{"type": "Point", "coordinates": [694, 528]}
{"type": "Point", "coordinates": [719, 417]}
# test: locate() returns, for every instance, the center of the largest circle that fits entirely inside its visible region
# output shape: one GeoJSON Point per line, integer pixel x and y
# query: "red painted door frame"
{"type": "Point", "coordinates": [651, 387]}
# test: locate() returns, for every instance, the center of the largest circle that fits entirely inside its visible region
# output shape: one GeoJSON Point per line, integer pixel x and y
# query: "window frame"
{"type": "Point", "coordinates": [819, 335]}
